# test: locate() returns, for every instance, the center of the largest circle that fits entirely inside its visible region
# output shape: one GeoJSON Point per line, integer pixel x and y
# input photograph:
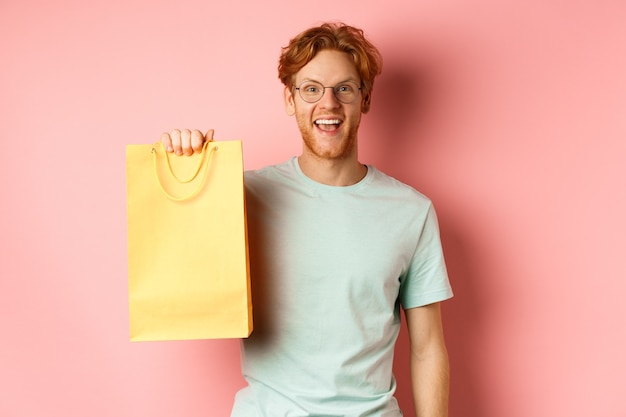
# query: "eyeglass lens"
{"type": "Point", "coordinates": [312, 91]}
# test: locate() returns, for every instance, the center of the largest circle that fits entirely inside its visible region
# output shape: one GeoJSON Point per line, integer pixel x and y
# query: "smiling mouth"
{"type": "Point", "coordinates": [327, 124]}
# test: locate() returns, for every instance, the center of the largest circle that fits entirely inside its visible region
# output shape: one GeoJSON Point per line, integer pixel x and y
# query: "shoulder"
{"type": "Point", "coordinates": [393, 188]}
{"type": "Point", "coordinates": [283, 168]}
{"type": "Point", "coordinates": [271, 171]}
{"type": "Point", "coordinates": [270, 177]}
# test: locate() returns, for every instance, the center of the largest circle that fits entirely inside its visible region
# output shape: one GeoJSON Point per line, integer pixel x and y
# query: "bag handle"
{"type": "Point", "coordinates": [153, 151]}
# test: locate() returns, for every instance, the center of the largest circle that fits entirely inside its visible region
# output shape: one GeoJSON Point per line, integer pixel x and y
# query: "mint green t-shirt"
{"type": "Point", "coordinates": [330, 269]}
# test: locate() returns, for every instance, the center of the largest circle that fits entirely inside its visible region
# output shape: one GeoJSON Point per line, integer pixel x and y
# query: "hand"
{"type": "Point", "coordinates": [185, 142]}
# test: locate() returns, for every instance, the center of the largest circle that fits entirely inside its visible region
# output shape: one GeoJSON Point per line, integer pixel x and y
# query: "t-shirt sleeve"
{"type": "Point", "coordinates": [426, 279]}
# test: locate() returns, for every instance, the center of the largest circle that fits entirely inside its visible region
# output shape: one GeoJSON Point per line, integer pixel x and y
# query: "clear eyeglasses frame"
{"type": "Point", "coordinates": [345, 92]}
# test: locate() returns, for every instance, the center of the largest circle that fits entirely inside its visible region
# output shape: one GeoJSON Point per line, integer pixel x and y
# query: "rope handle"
{"type": "Point", "coordinates": [153, 151]}
{"type": "Point", "coordinates": [195, 174]}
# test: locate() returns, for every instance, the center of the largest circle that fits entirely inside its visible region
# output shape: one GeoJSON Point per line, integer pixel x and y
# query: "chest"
{"type": "Point", "coordinates": [316, 245]}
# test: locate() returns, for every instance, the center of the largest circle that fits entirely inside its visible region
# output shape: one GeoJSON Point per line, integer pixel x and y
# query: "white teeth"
{"type": "Point", "coordinates": [327, 122]}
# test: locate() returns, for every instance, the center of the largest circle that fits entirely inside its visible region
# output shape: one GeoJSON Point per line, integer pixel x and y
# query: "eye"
{"type": "Point", "coordinates": [345, 89]}
{"type": "Point", "coordinates": [310, 88]}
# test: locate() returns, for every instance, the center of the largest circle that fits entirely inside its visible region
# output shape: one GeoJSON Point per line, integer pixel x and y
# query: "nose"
{"type": "Point", "coordinates": [328, 100]}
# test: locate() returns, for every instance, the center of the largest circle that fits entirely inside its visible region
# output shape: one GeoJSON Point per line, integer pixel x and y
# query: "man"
{"type": "Point", "coordinates": [336, 249]}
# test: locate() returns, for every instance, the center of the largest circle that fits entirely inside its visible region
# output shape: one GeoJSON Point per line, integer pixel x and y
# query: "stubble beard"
{"type": "Point", "coordinates": [346, 147]}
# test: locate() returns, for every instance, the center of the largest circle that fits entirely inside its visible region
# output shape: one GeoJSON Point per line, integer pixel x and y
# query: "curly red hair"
{"type": "Point", "coordinates": [335, 36]}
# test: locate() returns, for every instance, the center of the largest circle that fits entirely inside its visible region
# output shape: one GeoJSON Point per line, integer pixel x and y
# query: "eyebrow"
{"type": "Point", "coordinates": [340, 82]}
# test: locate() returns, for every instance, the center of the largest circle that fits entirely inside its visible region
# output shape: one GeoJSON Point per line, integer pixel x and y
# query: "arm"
{"type": "Point", "coordinates": [429, 361]}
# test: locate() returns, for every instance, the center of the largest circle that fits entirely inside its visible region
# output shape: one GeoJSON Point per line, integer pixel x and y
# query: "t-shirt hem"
{"type": "Point", "coordinates": [430, 298]}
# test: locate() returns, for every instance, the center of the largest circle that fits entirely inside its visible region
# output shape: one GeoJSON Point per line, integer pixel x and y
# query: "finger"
{"type": "Point", "coordinates": [197, 141]}
{"type": "Point", "coordinates": [185, 137]}
{"type": "Point", "coordinates": [176, 142]}
{"type": "Point", "coordinates": [209, 134]}
{"type": "Point", "coordinates": [166, 140]}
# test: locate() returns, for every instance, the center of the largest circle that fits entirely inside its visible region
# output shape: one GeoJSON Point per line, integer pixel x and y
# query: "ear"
{"type": "Point", "coordinates": [290, 106]}
{"type": "Point", "coordinates": [367, 101]}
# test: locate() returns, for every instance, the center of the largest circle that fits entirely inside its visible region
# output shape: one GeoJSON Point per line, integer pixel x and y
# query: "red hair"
{"type": "Point", "coordinates": [334, 36]}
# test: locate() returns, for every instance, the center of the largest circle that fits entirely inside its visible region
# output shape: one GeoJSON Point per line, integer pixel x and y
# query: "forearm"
{"type": "Point", "coordinates": [430, 376]}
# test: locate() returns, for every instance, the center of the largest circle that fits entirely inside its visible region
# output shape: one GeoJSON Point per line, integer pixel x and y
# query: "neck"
{"type": "Point", "coordinates": [335, 172]}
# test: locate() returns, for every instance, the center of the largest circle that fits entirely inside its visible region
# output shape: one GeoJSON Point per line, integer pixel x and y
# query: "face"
{"type": "Point", "coordinates": [328, 127]}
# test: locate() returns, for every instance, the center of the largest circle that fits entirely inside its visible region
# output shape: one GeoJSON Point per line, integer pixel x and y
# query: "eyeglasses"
{"type": "Point", "coordinates": [312, 91]}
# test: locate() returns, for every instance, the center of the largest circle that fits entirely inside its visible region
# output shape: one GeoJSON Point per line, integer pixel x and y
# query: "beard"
{"type": "Point", "coordinates": [333, 148]}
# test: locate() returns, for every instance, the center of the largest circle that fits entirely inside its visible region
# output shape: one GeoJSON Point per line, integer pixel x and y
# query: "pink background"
{"type": "Point", "coordinates": [510, 115]}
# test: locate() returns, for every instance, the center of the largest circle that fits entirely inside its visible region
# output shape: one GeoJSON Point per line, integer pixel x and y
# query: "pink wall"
{"type": "Point", "coordinates": [509, 115]}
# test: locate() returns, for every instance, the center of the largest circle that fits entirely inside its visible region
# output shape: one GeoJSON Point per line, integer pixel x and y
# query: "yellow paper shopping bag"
{"type": "Point", "coordinates": [188, 269]}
